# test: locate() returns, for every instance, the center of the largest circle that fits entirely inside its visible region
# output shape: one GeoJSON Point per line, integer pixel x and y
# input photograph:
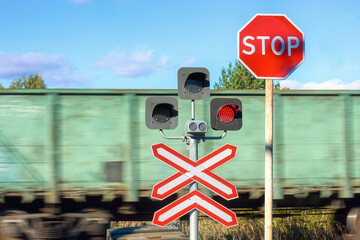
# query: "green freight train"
{"type": "Point", "coordinates": [66, 155]}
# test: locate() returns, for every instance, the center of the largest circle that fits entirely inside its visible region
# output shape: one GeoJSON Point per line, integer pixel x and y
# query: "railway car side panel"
{"type": "Point", "coordinates": [354, 142]}
{"type": "Point", "coordinates": [74, 143]}
{"type": "Point", "coordinates": [24, 142]}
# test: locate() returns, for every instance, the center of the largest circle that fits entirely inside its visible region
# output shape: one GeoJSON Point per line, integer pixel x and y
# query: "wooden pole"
{"type": "Point", "coordinates": [268, 158]}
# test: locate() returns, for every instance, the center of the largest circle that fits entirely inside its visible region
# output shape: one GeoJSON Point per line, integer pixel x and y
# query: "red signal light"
{"type": "Point", "coordinates": [228, 112]}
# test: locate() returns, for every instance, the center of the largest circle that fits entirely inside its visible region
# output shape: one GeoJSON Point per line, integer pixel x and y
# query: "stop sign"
{"type": "Point", "coordinates": [271, 46]}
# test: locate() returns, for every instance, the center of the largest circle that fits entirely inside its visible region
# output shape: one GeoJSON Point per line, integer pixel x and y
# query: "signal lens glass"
{"type": "Point", "coordinates": [228, 112]}
{"type": "Point", "coordinates": [193, 126]}
{"type": "Point", "coordinates": [162, 112]}
{"type": "Point", "coordinates": [195, 82]}
{"type": "Point", "coordinates": [202, 127]}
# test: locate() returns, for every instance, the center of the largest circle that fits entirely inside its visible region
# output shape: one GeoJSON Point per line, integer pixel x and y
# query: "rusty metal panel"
{"type": "Point", "coordinates": [314, 135]}
{"type": "Point", "coordinates": [91, 134]}
{"type": "Point", "coordinates": [354, 141]}
{"type": "Point", "coordinates": [23, 129]}
{"type": "Point", "coordinates": [113, 171]}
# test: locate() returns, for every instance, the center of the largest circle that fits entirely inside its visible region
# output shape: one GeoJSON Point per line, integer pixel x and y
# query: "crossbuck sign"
{"type": "Point", "coordinates": [190, 171]}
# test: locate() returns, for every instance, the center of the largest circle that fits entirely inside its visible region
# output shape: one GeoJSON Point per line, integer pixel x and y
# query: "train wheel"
{"type": "Point", "coordinates": [10, 230]}
{"type": "Point", "coordinates": [353, 221]}
{"type": "Point", "coordinates": [96, 230]}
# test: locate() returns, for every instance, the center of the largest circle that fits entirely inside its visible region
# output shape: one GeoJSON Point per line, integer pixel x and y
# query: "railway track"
{"type": "Point", "coordinates": [145, 233]}
{"type": "Point", "coordinates": [351, 237]}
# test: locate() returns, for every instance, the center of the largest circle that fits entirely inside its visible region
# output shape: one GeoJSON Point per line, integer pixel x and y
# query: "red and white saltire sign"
{"type": "Point", "coordinates": [189, 171]}
{"type": "Point", "coordinates": [190, 201]}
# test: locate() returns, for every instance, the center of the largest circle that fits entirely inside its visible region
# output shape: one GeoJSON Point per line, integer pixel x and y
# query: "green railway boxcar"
{"type": "Point", "coordinates": [81, 145]}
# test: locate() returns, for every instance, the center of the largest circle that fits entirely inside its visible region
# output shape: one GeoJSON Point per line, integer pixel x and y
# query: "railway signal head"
{"type": "Point", "coordinates": [161, 113]}
{"type": "Point", "coordinates": [196, 127]}
{"type": "Point", "coordinates": [193, 83]}
{"type": "Point", "coordinates": [226, 114]}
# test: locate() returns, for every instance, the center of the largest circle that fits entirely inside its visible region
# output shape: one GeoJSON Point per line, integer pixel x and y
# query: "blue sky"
{"type": "Point", "coordinates": [126, 44]}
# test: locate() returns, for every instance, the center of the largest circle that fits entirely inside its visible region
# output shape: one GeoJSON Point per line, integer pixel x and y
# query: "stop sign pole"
{"type": "Point", "coordinates": [268, 158]}
{"type": "Point", "coordinates": [271, 47]}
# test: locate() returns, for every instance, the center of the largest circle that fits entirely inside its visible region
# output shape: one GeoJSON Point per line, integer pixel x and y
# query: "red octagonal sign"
{"type": "Point", "coordinates": [271, 46]}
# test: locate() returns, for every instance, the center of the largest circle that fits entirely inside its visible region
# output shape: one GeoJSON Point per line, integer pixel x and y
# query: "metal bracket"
{"type": "Point", "coordinates": [215, 138]}
{"type": "Point", "coordinates": [203, 137]}
{"type": "Point", "coordinates": [183, 138]}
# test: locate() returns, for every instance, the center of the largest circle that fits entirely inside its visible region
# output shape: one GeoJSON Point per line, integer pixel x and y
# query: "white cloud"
{"type": "Point", "coordinates": [139, 62]}
{"type": "Point", "coordinates": [333, 84]}
{"type": "Point", "coordinates": [14, 64]}
{"type": "Point", "coordinates": [55, 69]}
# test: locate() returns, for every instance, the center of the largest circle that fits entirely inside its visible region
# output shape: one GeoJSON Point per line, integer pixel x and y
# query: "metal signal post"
{"type": "Point", "coordinates": [193, 155]}
{"type": "Point", "coordinates": [226, 115]}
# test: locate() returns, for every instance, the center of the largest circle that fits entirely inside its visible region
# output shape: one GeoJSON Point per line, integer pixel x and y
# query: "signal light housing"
{"type": "Point", "coordinates": [193, 83]}
{"type": "Point", "coordinates": [226, 114]}
{"type": "Point", "coordinates": [195, 127]}
{"type": "Point", "coordinates": [161, 113]}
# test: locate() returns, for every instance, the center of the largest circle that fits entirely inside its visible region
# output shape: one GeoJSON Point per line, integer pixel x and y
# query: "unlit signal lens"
{"type": "Point", "coordinates": [162, 113]}
{"type": "Point", "coordinates": [202, 127]}
{"type": "Point", "coordinates": [193, 126]}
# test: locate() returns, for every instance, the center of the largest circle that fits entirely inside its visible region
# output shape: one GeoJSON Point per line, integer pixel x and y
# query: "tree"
{"type": "Point", "coordinates": [1, 86]}
{"type": "Point", "coordinates": [238, 77]}
{"type": "Point", "coordinates": [28, 82]}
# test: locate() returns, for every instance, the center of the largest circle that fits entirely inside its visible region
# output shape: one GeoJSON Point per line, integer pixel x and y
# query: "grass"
{"type": "Point", "coordinates": [287, 224]}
